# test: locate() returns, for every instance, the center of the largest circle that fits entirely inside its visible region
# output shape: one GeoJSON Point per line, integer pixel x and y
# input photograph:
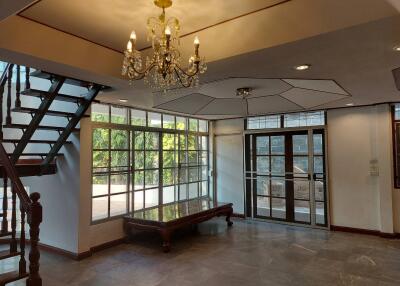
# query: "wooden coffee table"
{"type": "Point", "coordinates": [165, 219]}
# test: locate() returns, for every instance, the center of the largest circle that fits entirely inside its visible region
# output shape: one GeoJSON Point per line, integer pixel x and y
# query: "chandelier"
{"type": "Point", "coordinates": [162, 70]}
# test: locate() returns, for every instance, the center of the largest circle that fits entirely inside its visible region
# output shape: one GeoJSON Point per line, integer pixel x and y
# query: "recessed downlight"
{"type": "Point", "coordinates": [302, 67]}
{"type": "Point", "coordinates": [123, 100]}
{"type": "Point", "coordinates": [396, 48]}
{"type": "Point", "coordinates": [349, 104]}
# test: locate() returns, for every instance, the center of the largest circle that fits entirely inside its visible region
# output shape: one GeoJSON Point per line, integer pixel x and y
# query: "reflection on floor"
{"type": "Point", "coordinates": [250, 253]}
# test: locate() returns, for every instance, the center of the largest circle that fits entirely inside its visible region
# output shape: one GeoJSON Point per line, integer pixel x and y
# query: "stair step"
{"type": "Point", "coordinates": [59, 97]}
{"type": "Point", "coordinates": [49, 112]}
{"type": "Point", "coordinates": [36, 154]}
{"type": "Point", "coordinates": [3, 234]}
{"type": "Point", "coordinates": [33, 141]}
{"type": "Point", "coordinates": [50, 76]}
{"type": "Point", "coordinates": [4, 254]}
{"type": "Point", "coordinates": [41, 127]}
{"type": "Point", "coordinates": [11, 277]}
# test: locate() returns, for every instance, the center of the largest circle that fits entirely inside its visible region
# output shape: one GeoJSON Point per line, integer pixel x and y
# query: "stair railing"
{"type": "Point", "coordinates": [29, 205]}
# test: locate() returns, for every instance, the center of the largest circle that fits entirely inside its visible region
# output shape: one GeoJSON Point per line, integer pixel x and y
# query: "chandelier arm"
{"type": "Point", "coordinates": [180, 79]}
{"type": "Point", "coordinates": [187, 73]}
{"type": "Point", "coordinates": [143, 72]}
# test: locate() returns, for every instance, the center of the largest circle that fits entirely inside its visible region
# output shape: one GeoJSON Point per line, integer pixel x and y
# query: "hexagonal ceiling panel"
{"type": "Point", "coordinates": [267, 96]}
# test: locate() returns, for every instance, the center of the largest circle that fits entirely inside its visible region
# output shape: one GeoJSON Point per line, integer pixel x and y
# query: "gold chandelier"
{"type": "Point", "coordinates": [162, 70]}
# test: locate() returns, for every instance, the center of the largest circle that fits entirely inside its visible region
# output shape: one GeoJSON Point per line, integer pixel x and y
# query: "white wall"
{"type": "Point", "coordinates": [229, 162]}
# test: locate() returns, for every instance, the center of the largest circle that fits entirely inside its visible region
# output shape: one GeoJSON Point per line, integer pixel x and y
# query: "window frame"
{"type": "Point", "coordinates": [130, 169]}
{"type": "Point", "coordinates": [396, 151]}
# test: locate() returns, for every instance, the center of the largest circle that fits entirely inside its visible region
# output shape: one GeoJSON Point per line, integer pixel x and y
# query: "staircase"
{"type": "Point", "coordinates": [17, 162]}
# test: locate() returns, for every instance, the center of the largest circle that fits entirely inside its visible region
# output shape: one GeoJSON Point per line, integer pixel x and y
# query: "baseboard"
{"type": "Point", "coordinates": [69, 254]}
{"type": "Point", "coordinates": [365, 231]}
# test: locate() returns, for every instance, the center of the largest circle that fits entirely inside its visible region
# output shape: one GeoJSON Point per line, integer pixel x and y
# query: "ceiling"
{"type": "Point", "coordinates": [111, 25]}
{"type": "Point", "coordinates": [350, 51]}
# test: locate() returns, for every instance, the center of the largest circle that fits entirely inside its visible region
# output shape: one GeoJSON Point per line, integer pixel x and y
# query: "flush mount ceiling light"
{"type": "Point", "coordinates": [123, 100]}
{"type": "Point", "coordinates": [243, 92]}
{"type": "Point", "coordinates": [349, 104]}
{"type": "Point", "coordinates": [162, 70]}
{"type": "Point", "coordinates": [396, 48]}
{"type": "Point", "coordinates": [302, 67]}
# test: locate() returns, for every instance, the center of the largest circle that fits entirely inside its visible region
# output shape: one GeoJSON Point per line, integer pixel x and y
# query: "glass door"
{"type": "Point", "coordinates": [285, 174]}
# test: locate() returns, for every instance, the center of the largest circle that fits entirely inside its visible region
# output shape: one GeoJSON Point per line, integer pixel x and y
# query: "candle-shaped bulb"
{"type": "Point", "coordinates": [133, 36]}
{"type": "Point", "coordinates": [167, 31]}
{"type": "Point", "coordinates": [196, 41]}
{"type": "Point", "coordinates": [129, 46]}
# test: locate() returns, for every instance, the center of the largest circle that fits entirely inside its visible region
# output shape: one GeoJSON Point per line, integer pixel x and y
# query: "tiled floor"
{"type": "Point", "coordinates": [249, 253]}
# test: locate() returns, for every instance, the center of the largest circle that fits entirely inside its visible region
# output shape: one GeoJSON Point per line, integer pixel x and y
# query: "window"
{"type": "Point", "coordinates": [396, 144]}
{"type": "Point", "coordinates": [151, 159]}
{"type": "Point", "coordinates": [302, 119]}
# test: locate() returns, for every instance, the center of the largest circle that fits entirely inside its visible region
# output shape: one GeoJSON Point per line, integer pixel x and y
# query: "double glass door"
{"type": "Point", "coordinates": [285, 176]}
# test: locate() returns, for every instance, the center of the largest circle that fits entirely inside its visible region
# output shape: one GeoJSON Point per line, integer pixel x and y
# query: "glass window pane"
{"type": "Point", "coordinates": [278, 187]}
{"type": "Point", "coordinates": [180, 123]}
{"type": "Point", "coordinates": [139, 180]}
{"type": "Point", "coordinates": [169, 159]}
{"type": "Point", "coordinates": [168, 195]}
{"type": "Point", "coordinates": [151, 160]}
{"type": "Point", "coordinates": [193, 124]}
{"type": "Point", "coordinates": [168, 121]}
{"type": "Point", "coordinates": [119, 183]}
{"type": "Point", "coordinates": [119, 139]}
{"type": "Point", "coordinates": [192, 142]}
{"type": "Point", "coordinates": [119, 115]}
{"type": "Point", "coordinates": [300, 165]}
{"type": "Point", "coordinates": [204, 158]}
{"type": "Point", "coordinates": [302, 211]}
{"type": "Point", "coordinates": [318, 164]}
{"type": "Point", "coordinates": [278, 208]}
{"type": "Point", "coordinates": [278, 165]}
{"type": "Point", "coordinates": [182, 192]}
{"type": "Point", "coordinates": [193, 174]}
{"type": "Point", "coordinates": [262, 145]}
{"type": "Point", "coordinates": [138, 117]}
{"type": "Point", "coordinates": [183, 175]}
{"type": "Point", "coordinates": [263, 206]}
{"type": "Point", "coordinates": [151, 198]}
{"type": "Point", "coordinates": [154, 119]}
{"type": "Point", "coordinates": [119, 159]}
{"type": "Point", "coordinates": [193, 190]}
{"type": "Point", "coordinates": [100, 112]}
{"type": "Point", "coordinates": [138, 159]}
{"type": "Point", "coordinates": [151, 179]}
{"type": "Point", "coordinates": [204, 142]}
{"type": "Point", "coordinates": [168, 141]}
{"type": "Point", "coordinates": [204, 173]}
{"type": "Point", "coordinates": [193, 157]}
{"type": "Point", "coordinates": [100, 160]}
{"type": "Point", "coordinates": [301, 189]}
{"type": "Point", "coordinates": [319, 191]}
{"type": "Point", "coordinates": [99, 208]}
{"type": "Point", "coordinates": [262, 164]}
{"type": "Point", "coordinates": [203, 124]}
{"type": "Point", "coordinates": [118, 205]}
{"type": "Point", "coordinates": [300, 144]}
{"type": "Point", "coordinates": [138, 200]}
{"type": "Point", "coordinates": [151, 141]}
{"type": "Point", "coordinates": [277, 145]}
{"type": "Point", "coordinates": [100, 185]}
{"type": "Point", "coordinates": [320, 213]}
{"type": "Point", "coordinates": [182, 142]}
{"type": "Point", "coordinates": [168, 177]}
{"type": "Point", "coordinates": [317, 144]}
{"type": "Point", "coordinates": [100, 138]}
{"type": "Point", "coordinates": [262, 186]}
{"type": "Point", "coordinates": [204, 188]}
{"type": "Point", "coordinates": [138, 140]}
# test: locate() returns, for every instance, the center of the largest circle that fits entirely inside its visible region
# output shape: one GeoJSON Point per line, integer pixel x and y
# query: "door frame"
{"type": "Point", "coordinates": [249, 181]}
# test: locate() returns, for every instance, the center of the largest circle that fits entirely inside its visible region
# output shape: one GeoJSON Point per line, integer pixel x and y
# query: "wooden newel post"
{"type": "Point", "coordinates": [34, 220]}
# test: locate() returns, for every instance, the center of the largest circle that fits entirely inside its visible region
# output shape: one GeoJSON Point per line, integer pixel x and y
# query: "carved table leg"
{"type": "Point", "coordinates": [228, 217]}
{"type": "Point", "coordinates": [166, 237]}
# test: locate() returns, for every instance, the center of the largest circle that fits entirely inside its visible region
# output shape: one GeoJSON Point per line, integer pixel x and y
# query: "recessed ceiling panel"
{"type": "Point", "coordinates": [224, 106]}
{"type": "Point", "coordinates": [110, 23]}
{"type": "Point", "coordinates": [188, 104]}
{"type": "Point", "coordinates": [310, 98]}
{"type": "Point", "coordinates": [260, 87]}
{"type": "Point", "coordinates": [317, 84]}
{"type": "Point", "coordinates": [270, 104]}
